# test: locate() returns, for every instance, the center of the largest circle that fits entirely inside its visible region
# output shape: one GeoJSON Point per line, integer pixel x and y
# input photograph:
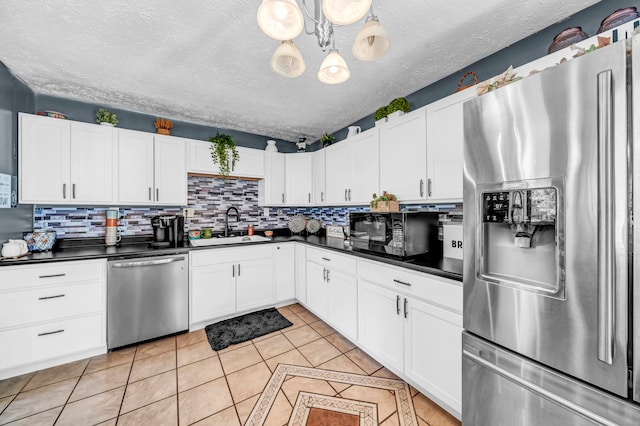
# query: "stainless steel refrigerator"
{"type": "Point", "coordinates": [551, 335]}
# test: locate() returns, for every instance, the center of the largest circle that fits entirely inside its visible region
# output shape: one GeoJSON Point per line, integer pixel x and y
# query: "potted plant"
{"type": "Point", "coordinates": [397, 107]}
{"type": "Point", "coordinates": [106, 118]}
{"type": "Point", "coordinates": [327, 139]}
{"type": "Point", "coordinates": [163, 126]}
{"type": "Point", "coordinates": [224, 153]}
{"type": "Point", "coordinates": [380, 116]}
{"type": "Point", "coordinates": [384, 203]}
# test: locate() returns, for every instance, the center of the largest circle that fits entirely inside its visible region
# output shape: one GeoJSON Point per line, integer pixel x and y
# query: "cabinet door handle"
{"type": "Point", "coordinates": [283, 197]}
{"type": "Point", "coordinates": [345, 194]}
{"type": "Point", "coordinates": [51, 297]}
{"type": "Point", "coordinates": [324, 274]}
{"type": "Point", "coordinates": [406, 310]}
{"type": "Point", "coordinates": [149, 193]}
{"type": "Point", "coordinates": [233, 271]}
{"type": "Point", "coordinates": [73, 191]}
{"type": "Point", "coordinates": [157, 194]}
{"type": "Point", "coordinates": [422, 187]}
{"type": "Point", "coordinates": [322, 197]}
{"type": "Point", "coordinates": [52, 276]}
{"type": "Point", "coordinates": [238, 269]}
{"type": "Point", "coordinates": [50, 332]}
{"type": "Point", "coordinates": [429, 186]}
{"type": "Point", "coordinates": [397, 305]}
{"type": "Point", "coordinates": [349, 194]}
{"type": "Point", "coordinates": [309, 197]}
{"type": "Point", "coordinates": [402, 282]}
{"type": "Point", "coordinates": [64, 191]}
{"type": "Point", "coordinates": [328, 275]}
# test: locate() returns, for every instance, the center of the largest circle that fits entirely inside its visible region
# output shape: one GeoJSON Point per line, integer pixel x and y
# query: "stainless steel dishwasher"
{"type": "Point", "coordinates": [147, 297]}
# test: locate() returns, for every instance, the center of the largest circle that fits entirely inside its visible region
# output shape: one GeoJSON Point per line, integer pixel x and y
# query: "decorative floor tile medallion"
{"type": "Point", "coordinates": [310, 407]}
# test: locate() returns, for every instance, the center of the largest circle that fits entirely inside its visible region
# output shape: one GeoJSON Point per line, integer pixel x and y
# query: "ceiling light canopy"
{"type": "Point", "coordinates": [283, 20]}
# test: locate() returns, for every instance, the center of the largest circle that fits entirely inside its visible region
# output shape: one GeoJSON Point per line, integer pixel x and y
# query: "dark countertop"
{"type": "Point", "coordinates": [139, 247]}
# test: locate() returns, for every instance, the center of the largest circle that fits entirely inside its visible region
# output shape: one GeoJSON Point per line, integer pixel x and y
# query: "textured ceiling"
{"type": "Point", "coordinates": [207, 62]}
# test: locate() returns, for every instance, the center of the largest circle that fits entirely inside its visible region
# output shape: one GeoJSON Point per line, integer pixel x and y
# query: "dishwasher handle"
{"type": "Point", "coordinates": [147, 262]}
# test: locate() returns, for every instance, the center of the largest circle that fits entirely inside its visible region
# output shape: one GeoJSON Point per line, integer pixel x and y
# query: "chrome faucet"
{"type": "Point", "coordinates": [226, 219]}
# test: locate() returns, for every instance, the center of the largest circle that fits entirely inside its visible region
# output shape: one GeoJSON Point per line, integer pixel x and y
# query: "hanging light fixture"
{"type": "Point", "coordinates": [283, 20]}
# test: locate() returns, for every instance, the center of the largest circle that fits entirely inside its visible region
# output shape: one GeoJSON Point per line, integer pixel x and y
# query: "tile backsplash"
{"type": "Point", "coordinates": [209, 197]}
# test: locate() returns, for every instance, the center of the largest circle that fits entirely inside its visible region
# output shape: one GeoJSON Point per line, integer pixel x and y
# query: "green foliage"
{"type": "Point", "coordinates": [104, 116]}
{"type": "Point", "coordinates": [327, 139]}
{"type": "Point", "coordinates": [398, 104]}
{"type": "Point", "coordinates": [380, 113]}
{"type": "Point", "coordinates": [223, 149]}
{"type": "Point", "coordinates": [386, 196]}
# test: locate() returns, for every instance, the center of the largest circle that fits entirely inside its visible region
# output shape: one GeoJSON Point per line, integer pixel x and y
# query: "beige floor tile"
{"type": "Point", "coordinates": [234, 347]}
{"type": "Point", "coordinates": [150, 366]}
{"type": "Point", "coordinates": [38, 400]}
{"type": "Point", "coordinates": [101, 381]}
{"type": "Point", "coordinates": [422, 422]}
{"type": "Point", "coordinates": [284, 310]}
{"type": "Point", "coordinates": [245, 407]}
{"type": "Point", "coordinates": [202, 401]}
{"type": "Point", "coordinates": [111, 359]}
{"type": "Point", "coordinates": [273, 346]}
{"type": "Point", "coordinates": [149, 390]}
{"type": "Point", "coordinates": [340, 342]}
{"type": "Point", "coordinates": [111, 422]}
{"type": "Point", "coordinates": [56, 374]}
{"type": "Point", "coordinates": [46, 418]}
{"type": "Point", "coordinates": [190, 338]}
{"type": "Point", "coordinates": [92, 410]}
{"type": "Point", "coordinates": [297, 384]}
{"type": "Point", "coordinates": [364, 361]}
{"type": "Point", "coordinates": [4, 402]}
{"type": "Point", "coordinates": [196, 352]}
{"type": "Point", "coordinates": [198, 373]}
{"type": "Point", "coordinates": [431, 412]}
{"type": "Point", "coordinates": [384, 399]}
{"type": "Point", "coordinates": [13, 385]}
{"type": "Point", "coordinates": [302, 336]}
{"type": "Point", "coordinates": [322, 328]}
{"type": "Point", "coordinates": [342, 363]}
{"type": "Point", "coordinates": [280, 411]}
{"type": "Point", "coordinates": [383, 372]}
{"type": "Point", "coordinates": [293, 357]}
{"type": "Point", "coordinates": [319, 351]}
{"type": "Point", "coordinates": [414, 391]}
{"type": "Point", "coordinates": [249, 381]}
{"type": "Point", "coordinates": [239, 359]}
{"type": "Point", "coordinates": [156, 347]}
{"type": "Point", "coordinates": [161, 413]}
{"type": "Point", "coordinates": [227, 417]}
{"type": "Point", "coordinates": [295, 320]}
{"type": "Point", "coordinates": [308, 317]}
{"type": "Point", "coordinates": [267, 336]}
{"type": "Point", "coordinates": [339, 387]}
{"type": "Point", "coordinates": [392, 420]}
{"type": "Point", "coordinates": [296, 307]}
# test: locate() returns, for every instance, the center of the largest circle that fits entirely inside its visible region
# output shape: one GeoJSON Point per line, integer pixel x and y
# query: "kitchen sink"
{"type": "Point", "coordinates": [228, 240]}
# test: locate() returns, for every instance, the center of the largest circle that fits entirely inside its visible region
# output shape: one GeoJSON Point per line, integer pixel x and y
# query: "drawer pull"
{"type": "Point", "coordinates": [52, 276]}
{"type": "Point", "coordinates": [50, 332]}
{"type": "Point", "coordinates": [327, 259]}
{"type": "Point", "coordinates": [51, 297]}
{"type": "Point", "coordinates": [402, 282]}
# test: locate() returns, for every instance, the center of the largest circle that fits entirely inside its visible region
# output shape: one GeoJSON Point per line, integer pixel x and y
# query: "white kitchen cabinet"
{"type": "Point", "coordinates": [445, 139]}
{"type": "Point", "coordinates": [352, 169]}
{"type": "Point", "coordinates": [299, 179]}
{"type": "Point", "coordinates": [301, 273]}
{"type": "Point", "coordinates": [213, 291]}
{"type": "Point", "coordinates": [271, 189]}
{"type": "Point", "coordinates": [151, 169]}
{"type": "Point", "coordinates": [319, 191]}
{"type": "Point", "coordinates": [65, 162]}
{"type": "Point", "coordinates": [403, 156]}
{"type": "Point", "coordinates": [250, 163]}
{"type": "Point", "coordinates": [284, 271]}
{"type": "Point", "coordinates": [52, 314]}
{"type": "Point", "coordinates": [317, 298]}
{"type": "Point", "coordinates": [254, 283]}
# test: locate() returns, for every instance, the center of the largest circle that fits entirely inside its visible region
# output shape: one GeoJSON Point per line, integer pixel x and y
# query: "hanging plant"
{"type": "Point", "coordinates": [224, 153]}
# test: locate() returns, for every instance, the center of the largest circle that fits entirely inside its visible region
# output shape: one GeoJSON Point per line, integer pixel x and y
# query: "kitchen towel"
{"type": "Point", "coordinates": [245, 327]}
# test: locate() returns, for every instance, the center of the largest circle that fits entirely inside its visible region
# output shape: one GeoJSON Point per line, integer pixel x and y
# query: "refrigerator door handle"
{"type": "Point", "coordinates": [606, 230]}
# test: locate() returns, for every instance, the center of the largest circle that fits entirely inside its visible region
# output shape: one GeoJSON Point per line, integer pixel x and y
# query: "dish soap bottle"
{"type": "Point", "coordinates": [250, 230]}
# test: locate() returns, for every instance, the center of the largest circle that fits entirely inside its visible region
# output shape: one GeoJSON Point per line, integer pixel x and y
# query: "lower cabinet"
{"type": "Point", "coordinates": [229, 280]}
{"type": "Point", "coordinates": [284, 271]}
{"type": "Point", "coordinates": [301, 273]}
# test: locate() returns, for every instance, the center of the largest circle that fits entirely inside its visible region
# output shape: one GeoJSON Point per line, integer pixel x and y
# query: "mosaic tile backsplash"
{"type": "Point", "coordinates": [209, 197]}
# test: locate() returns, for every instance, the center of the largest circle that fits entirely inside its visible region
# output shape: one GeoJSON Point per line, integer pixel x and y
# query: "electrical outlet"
{"type": "Point", "coordinates": [266, 211]}
{"type": "Point", "coordinates": [188, 212]}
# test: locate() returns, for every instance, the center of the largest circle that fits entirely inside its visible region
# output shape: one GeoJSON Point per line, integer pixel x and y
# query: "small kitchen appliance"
{"type": "Point", "coordinates": [168, 230]}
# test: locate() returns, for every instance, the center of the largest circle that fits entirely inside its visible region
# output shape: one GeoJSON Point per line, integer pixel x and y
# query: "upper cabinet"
{"type": "Point", "coordinates": [151, 169]}
{"type": "Point", "coordinates": [65, 162]}
{"type": "Point", "coordinates": [271, 190]}
{"type": "Point", "coordinates": [299, 179]}
{"type": "Point", "coordinates": [445, 139]}
{"type": "Point", "coordinates": [352, 169]}
{"type": "Point", "coordinates": [403, 156]}
{"type": "Point", "coordinates": [319, 191]}
{"type": "Point", "coordinates": [250, 164]}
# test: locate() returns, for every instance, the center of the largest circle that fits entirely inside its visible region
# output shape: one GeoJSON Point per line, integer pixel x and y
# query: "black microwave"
{"type": "Point", "coordinates": [399, 235]}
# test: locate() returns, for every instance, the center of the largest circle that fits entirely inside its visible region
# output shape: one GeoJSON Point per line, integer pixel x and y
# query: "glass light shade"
{"type": "Point", "coordinates": [345, 12]}
{"type": "Point", "coordinates": [333, 69]}
{"type": "Point", "coordinates": [280, 19]}
{"type": "Point", "coordinates": [371, 42]}
{"type": "Point", "coordinates": [287, 60]}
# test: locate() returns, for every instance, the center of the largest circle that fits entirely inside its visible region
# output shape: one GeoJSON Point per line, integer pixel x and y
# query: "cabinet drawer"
{"type": "Point", "coordinates": [19, 277]}
{"type": "Point", "coordinates": [45, 341]}
{"type": "Point", "coordinates": [440, 291]}
{"type": "Point", "coordinates": [333, 260]}
{"type": "Point", "coordinates": [228, 255]}
{"type": "Point", "coordinates": [49, 303]}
